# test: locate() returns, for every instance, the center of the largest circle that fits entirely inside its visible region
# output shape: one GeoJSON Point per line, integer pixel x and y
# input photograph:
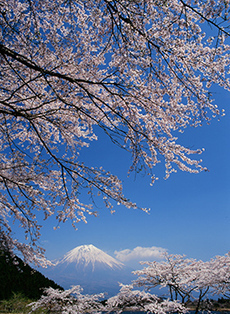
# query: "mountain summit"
{"type": "Point", "coordinates": [88, 256]}
{"type": "Point", "coordinates": [92, 269]}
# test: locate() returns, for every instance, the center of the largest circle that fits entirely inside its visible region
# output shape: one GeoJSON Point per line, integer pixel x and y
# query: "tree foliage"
{"type": "Point", "coordinates": [139, 70]}
{"type": "Point", "coordinates": [19, 279]}
{"type": "Point", "coordinates": [73, 301]}
{"type": "Point", "coordinates": [189, 282]}
{"type": "Point", "coordinates": [68, 301]}
{"type": "Point", "coordinates": [129, 299]}
{"type": "Point", "coordinates": [187, 279]}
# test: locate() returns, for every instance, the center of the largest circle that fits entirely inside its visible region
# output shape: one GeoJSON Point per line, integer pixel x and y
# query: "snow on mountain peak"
{"type": "Point", "coordinates": [89, 255]}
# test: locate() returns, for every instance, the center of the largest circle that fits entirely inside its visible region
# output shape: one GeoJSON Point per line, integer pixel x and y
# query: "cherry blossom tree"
{"type": "Point", "coordinates": [73, 301]}
{"type": "Point", "coordinates": [135, 300]}
{"type": "Point", "coordinates": [176, 273]}
{"type": "Point", "coordinates": [69, 301]}
{"type": "Point", "coordinates": [140, 71]}
{"type": "Point", "coordinates": [187, 279]}
{"type": "Point", "coordinates": [219, 275]}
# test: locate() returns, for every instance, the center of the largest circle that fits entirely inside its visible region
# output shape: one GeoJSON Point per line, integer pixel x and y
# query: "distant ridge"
{"type": "Point", "coordinates": [92, 269]}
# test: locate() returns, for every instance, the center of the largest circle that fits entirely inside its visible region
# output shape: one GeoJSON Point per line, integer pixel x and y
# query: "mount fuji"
{"type": "Point", "coordinates": [89, 258]}
{"type": "Point", "coordinates": [92, 269]}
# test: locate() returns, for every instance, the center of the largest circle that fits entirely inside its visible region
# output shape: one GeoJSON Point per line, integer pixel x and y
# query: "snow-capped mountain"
{"type": "Point", "coordinates": [88, 256]}
{"type": "Point", "coordinates": [92, 269]}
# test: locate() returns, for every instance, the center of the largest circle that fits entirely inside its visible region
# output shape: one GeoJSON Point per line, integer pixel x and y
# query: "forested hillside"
{"type": "Point", "coordinates": [18, 277]}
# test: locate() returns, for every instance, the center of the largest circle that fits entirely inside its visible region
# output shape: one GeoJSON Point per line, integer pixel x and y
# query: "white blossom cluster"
{"type": "Point", "coordinates": [72, 302]}
{"type": "Point", "coordinates": [68, 302]}
{"type": "Point", "coordinates": [138, 70]}
{"type": "Point", "coordinates": [186, 280]}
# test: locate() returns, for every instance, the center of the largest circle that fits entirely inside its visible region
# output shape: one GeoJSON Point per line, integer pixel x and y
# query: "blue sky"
{"type": "Point", "coordinates": [190, 213]}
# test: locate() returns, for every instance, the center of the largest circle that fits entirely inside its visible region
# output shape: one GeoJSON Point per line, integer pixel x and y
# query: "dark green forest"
{"type": "Point", "coordinates": [18, 277]}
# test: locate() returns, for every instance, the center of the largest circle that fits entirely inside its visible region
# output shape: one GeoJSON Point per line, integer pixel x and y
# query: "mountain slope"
{"type": "Point", "coordinates": [18, 277]}
{"type": "Point", "coordinates": [90, 268]}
